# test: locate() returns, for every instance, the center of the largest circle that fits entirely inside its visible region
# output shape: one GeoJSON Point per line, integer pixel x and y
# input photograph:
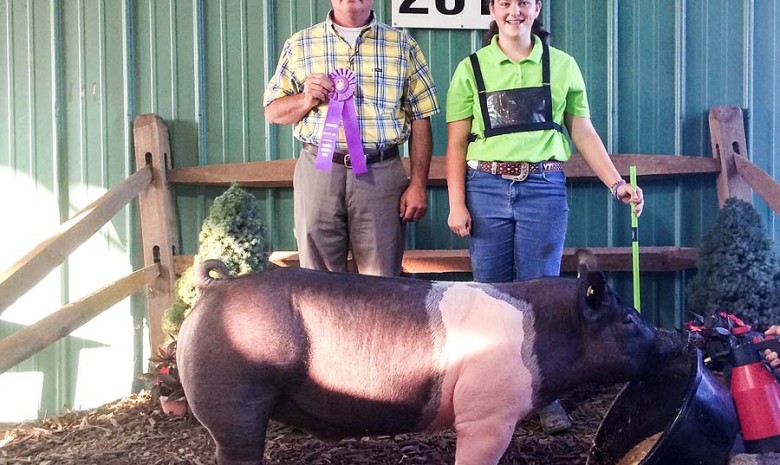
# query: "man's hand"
{"type": "Point", "coordinates": [316, 88]}
{"type": "Point", "coordinates": [414, 203]}
{"type": "Point", "coordinates": [291, 109]}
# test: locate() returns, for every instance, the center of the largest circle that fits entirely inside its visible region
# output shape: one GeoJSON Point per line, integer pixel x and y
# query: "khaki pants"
{"type": "Point", "coordinates": [336, 211]}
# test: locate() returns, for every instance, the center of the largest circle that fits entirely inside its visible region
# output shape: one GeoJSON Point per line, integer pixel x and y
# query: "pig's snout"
{"type": "Point", "coordinates": [669, 345]}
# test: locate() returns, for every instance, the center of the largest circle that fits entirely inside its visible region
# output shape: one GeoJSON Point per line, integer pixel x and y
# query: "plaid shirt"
{"type": "Point", "coordinates": [394, 84]}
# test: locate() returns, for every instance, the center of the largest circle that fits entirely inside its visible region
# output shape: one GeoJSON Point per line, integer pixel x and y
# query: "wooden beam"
{"type": "Point", "coordinates": [648, 166]}
{"type": "Point", "coordinates": [159, 228]}
{"type": "Point", "coordinates": [276, 173]}
{"type": "Point", "coordinates": [27, 342]}
{"type": "Point", "coordinates": [279, 173]}
{"type": "Point", "coordinates": [35, 265]}
{"type": "Point", "coordinates": [761, 182]}
{"type": "Point", "coordinates": [457, 261]}
{"type": "Point", "coordinates": [727, 135]}
{"type": "Point", "coordinates": [660, 258]}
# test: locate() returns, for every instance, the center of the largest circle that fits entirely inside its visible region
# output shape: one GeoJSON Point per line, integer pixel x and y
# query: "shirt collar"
{"type": "Point", "coordinates": [331, 26]}
{"type": "Point", "coordinates": [495, 51]}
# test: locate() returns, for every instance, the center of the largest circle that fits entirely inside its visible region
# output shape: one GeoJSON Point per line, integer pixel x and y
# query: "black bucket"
{"type": "Point", "coordinates": [692, 409]}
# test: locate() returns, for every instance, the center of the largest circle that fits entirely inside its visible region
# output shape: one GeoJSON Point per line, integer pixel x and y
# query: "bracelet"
{"type": "Point", "coordinates": [615, 186]}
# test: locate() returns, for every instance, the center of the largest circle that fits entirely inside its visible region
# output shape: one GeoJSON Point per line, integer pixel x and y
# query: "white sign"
{"type": "Point", "coordinates": [441, 14]}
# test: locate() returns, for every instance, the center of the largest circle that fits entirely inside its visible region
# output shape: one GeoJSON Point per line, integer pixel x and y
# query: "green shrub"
{"type": "Point", "coordinates": [234, 233]}
{"type": "Point", "coordinates": [738, 270]}
{"type": "Point", "coordinates": [174, 317]}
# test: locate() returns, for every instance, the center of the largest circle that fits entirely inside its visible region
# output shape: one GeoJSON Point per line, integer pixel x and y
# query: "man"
{"type": "Point", "coordinates": [341, 210]}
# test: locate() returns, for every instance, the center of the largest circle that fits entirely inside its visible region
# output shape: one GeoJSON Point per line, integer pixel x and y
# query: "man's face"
{"type": "Point", "coordinates": [352, 7]}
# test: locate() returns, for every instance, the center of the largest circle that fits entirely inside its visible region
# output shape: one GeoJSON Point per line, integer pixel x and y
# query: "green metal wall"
{"type": "Point", "coordinates": [75, 73]}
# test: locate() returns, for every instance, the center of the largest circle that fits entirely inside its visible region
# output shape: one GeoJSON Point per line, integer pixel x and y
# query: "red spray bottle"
{"type": "Point", "coordinates": [756, 393]}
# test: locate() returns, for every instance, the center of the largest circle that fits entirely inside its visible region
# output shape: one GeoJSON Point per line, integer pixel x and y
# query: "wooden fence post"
{"type": "Point", "coordinates": [158, 218]}
{"type": "Point", "coordinates": [727, 134]}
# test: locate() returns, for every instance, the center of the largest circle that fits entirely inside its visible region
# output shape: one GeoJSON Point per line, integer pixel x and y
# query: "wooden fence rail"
{"type": "Point", "coordinates": [35, 265]}
{"type": "Point", "coordinates": [30, 340]}
{"type": "Point", "coordinates": [41, 260]}
{"type": "Point", "coordinates": [736, 177]}
{"type": "Point", "coordinates": [279, 173]}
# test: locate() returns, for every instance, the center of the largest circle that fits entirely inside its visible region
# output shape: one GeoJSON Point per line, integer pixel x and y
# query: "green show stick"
{"type": "Point", "coordinates": [635, 243]}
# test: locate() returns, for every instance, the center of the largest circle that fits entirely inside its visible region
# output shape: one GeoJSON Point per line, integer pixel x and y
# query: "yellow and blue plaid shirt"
{"type": "Point", "coordinates": [394, 83]}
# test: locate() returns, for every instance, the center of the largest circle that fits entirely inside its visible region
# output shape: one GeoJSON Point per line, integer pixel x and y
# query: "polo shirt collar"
{"type": "Point", "coordinates": [331, 26]}
{"type": "Point", "coordinates": [495, 52]}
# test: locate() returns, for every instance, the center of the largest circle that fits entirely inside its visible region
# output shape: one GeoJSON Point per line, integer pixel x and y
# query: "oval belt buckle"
{"type": "Point", "coordinates": [347, 161]}
{"type": "Point", "coordinates": [524, 169]}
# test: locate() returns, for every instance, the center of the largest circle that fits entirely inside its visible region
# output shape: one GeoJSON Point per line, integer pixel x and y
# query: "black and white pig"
{"type": "Point", "coordinates": [343, 355]}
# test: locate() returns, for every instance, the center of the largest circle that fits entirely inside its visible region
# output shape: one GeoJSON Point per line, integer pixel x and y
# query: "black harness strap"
{"type": "Point", "coordinates": [524, 127]}
{"type": "Point", "coordinates": [481, 92]}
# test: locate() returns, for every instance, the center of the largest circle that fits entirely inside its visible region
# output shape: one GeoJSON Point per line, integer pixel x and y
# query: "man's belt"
{"type": "Point", "coordinates": [342, 157]}
{"type": "Point", "coordinates": [518, 170]}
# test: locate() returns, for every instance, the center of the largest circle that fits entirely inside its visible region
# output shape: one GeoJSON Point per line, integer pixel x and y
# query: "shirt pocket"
{"type": "Point", "coordinates": [382, 82]}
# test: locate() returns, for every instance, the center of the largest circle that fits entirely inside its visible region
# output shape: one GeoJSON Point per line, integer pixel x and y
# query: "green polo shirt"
{"type": "Point", "coordinates": [501, 73]}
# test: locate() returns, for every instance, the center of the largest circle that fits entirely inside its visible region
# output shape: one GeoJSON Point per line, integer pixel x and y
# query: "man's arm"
{"type": "Point", "coordinates": [291, 109]}
{"type": "Point", "coordinates": [414, 201]}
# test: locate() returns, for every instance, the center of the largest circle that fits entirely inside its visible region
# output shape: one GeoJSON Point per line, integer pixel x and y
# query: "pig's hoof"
{"type": "Point", "coordinates": [554, 418]}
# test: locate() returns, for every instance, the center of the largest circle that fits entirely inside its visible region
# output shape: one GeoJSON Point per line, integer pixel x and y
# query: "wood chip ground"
{"type": "Point", "coordinates": [132, 431]}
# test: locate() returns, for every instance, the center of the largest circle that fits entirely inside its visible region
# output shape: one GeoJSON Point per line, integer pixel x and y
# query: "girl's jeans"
{"type": "Point", "coordinates": [518, 227]}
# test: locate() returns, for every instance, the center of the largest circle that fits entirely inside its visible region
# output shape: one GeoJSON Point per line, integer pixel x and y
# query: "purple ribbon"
{"type": "Point", "coordinates": [341, 108]}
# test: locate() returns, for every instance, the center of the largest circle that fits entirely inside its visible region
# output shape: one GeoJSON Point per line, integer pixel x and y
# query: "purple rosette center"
{"type": "Point", "coordinates": [344, 83]}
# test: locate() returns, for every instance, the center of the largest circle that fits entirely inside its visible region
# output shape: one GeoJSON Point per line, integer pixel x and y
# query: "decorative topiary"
{"type": "Point", "coordinates": [738, 270]}
{"type": "Point", "coordinates": [234, 233]}
{"type": "Point", "coordinates": [174, 317]}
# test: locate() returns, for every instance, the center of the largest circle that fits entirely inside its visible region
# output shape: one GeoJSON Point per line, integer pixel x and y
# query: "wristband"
{"type": "Point", "coordinates": [614, 187]}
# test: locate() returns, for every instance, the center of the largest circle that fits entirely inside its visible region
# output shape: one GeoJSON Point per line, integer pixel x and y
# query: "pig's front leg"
{"type": "Point", "coordinates": [487, 403]}
{"type": "Point", "coordinates": [483, 441]}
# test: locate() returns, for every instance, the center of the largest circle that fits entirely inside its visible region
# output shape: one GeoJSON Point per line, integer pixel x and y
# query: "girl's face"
{"type": "Point", "coordinates": [515, 18]}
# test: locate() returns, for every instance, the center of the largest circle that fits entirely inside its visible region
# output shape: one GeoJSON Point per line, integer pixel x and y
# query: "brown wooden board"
{"type": "Point", "coordinates": [764, 185]}
{"type": "Point", "coordinates": [457, 261]}
{"type": "Point", "coordinates": [38, 263]}
{"type": "Point", "coordinates": [279, 173]}
{"type": "Point", "coordinates": [159, 226]}
{"type": "Point", "coordinates": [727, 135]}
{"type": "Point", "coordinates": [30, 340]}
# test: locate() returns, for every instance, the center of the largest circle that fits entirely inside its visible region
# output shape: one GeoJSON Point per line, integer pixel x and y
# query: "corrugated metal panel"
{"type": "Point", "coordinates": [764, 98]}
{"type": "Point", "coordinates": [74, 75]}
{"type": "Point", "coordinates": [65, 125]}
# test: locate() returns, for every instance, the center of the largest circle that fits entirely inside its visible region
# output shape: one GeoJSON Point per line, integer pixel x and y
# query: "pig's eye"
{"type": "Point", "coordinates": [627, 320]}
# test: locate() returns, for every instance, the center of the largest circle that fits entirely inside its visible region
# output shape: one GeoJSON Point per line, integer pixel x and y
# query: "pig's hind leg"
{"type": "Point", "coordinates": [238, 424]}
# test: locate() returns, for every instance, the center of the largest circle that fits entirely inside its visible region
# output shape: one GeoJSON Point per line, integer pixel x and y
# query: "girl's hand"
{"type": "Point", "coordinates": [627, 194]}
{"type": "Point", "coordinates": [771, 356]}
{"type": "Point", "coordinates": [459, 221]}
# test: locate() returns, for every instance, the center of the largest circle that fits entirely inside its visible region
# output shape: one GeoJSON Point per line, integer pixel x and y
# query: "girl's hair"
{"type": "Point", "coordinates": [537, 29]}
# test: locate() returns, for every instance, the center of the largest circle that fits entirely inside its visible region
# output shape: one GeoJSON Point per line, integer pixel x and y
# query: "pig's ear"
{"type": "Point", "coordinates": [594, 292]}
{"type": "Point", "coordinates": [586, 261]}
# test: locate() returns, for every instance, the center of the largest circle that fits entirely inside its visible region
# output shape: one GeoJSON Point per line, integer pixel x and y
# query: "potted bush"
{"type": "Point", "coordinates": [166, 384]}
{"type": "Point", "coordinates": [738, 272]}
{"type": "Point", "coordinates": [234, 233]}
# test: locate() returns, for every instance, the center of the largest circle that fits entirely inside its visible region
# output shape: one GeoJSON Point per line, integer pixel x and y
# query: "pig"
{"type": "Point", "coordinates": [347, 355]}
